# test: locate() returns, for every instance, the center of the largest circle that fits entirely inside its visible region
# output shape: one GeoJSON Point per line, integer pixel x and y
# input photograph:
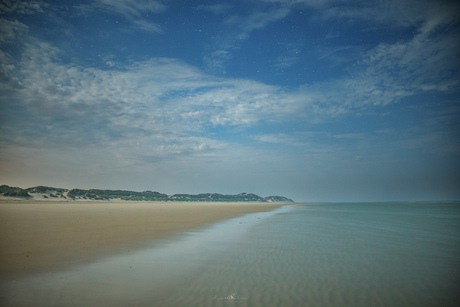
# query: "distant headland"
{"type": "Point", "coordinates": [51, 193]}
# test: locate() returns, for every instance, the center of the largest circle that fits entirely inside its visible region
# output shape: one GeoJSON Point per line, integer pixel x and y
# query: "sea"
{"type": "Point", "coordinates": [321, 254]}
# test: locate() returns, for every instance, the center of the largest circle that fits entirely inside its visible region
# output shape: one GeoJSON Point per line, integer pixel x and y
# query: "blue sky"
{"type": "Point", "coordinates": [314, 100]}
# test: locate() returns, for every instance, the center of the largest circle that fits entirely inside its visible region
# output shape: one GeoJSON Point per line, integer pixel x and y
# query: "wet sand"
{"type": "Point", "coordinates": [40, 236]}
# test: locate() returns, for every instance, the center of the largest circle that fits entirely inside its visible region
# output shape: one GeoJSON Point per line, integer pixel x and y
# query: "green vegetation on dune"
{"type": "Point", "coordinates": [96, 194]}
{"type": "Point", "coordinates": [45, 190]}
{"type": "Point", "coordinates": [120, 194]}
{"type": "Point", "coordinates": [217, 197]}
{"type": "Point", "coordinates": [13, 191]}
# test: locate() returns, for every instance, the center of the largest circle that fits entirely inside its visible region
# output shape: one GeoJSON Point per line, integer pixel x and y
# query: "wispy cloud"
{"type": "Point", "coordinates": [290, 58]}
{"type": "Point", "coordinates": [244, 25]}
{"type": "Point", "coordinates": [390, 13]}
{"type": "Point", "coordinates": [147, 26]}
{"type": "Point", "coordinates": [216, 9]}
{"type": "Point", "coordinates": [22, 7]}
{"type": "Point", "coordinates": [236, 29]}
{"type": "Point", "coordinates": [136, 12]}
{"type": "Point", "coordinates": [279, 138]}
{"type": "Point", "coordinates": [404, 68]}
{"type": "Point", "coordinates": [217, 60]}
{"type": "Point", "coordinates": [9, 30]}
{"type": "Point", "coordinates": [391, 72]}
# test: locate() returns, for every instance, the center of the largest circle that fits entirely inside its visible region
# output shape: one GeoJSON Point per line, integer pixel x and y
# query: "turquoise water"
{"type": "Point", "coordinates": [387, 254]}
{"type": "Point", "coordinates": [347, 254]}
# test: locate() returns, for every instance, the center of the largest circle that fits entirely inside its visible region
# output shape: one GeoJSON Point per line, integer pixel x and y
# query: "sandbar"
{"type": "Point", "coordinates": [42, 236]}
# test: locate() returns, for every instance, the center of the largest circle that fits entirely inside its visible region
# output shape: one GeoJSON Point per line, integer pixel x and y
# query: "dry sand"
{"type": "Point", "coordinates": [40, 236]}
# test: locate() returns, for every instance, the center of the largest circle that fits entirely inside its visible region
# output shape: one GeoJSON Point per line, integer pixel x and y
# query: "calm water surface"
{"type": "Point", "coordinates": [343, 254]}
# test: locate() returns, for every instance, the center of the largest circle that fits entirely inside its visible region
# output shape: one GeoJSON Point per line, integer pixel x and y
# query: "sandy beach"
{"type": "Point", "coordinates": [41, 236]}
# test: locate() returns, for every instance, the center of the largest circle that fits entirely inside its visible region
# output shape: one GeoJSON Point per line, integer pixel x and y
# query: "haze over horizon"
{"type": "Point", "coordinates": [312, 100]}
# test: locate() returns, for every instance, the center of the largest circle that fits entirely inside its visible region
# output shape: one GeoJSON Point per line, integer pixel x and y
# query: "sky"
{"type": "Point", "coordinates": [316, 100]}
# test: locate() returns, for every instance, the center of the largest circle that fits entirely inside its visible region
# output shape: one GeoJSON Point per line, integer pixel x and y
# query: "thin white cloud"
{"type": "Point", "coordinates": [216, 9]}
{"type": "Point", "coordinates": [217, 60]}
{"type": "Point", "coordinates": [237, 29]}
{"type": "Point", "coordinates": [9, 29]}
{"type": "Point", "coordinates": [147, 26]}
{"type": "Point", "coordinates": [279, 138]}
{"type": "Point", "coordinates": [404, 68]}
{"type": "Point", "coordinates": [256, 20]}
{"type": "Point", "coordinates": [391, 13]}
{"type": "Point", "coordinates": [391, 72]}
{"type": "Point", "coordinates": [137, 12]}
{"type": "Point", "coordinates": [291, 57]}
{"type": "Point", "coordinates": [22, 7]}
{"type": "Point", "coordinates": [134, 8]}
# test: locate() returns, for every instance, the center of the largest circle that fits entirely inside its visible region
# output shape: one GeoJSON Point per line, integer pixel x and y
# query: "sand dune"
{"type": "Point", "coordinates": [39, 236]}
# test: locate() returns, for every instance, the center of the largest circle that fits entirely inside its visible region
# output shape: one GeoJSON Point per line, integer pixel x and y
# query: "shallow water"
{"type": "Point", "coordinates": [377, 254]}
{"type": "Point", "coordinates": [141, 278]}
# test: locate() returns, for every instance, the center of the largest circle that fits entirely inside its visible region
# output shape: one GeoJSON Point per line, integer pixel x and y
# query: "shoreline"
{"type": "Point", "coordinates": [42, 236]}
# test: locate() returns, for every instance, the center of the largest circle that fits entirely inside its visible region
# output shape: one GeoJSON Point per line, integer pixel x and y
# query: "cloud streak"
{"type": "Point", "coordinates": [136, 12]}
